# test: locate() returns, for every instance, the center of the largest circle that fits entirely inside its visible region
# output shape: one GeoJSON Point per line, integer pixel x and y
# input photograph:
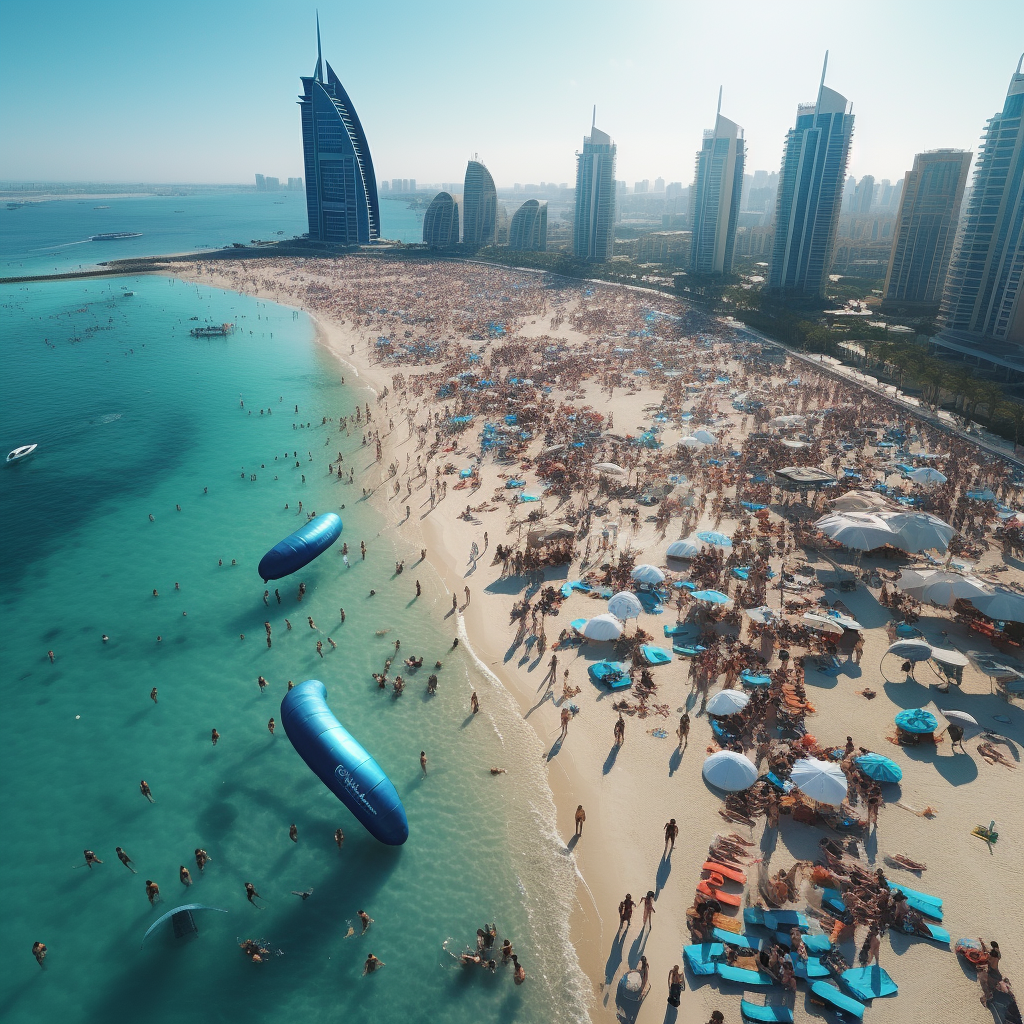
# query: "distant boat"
{"type": "Point", "coordinates": [110, 236]}
{"type": "Point", "coordinates": [21, 453]}
{"type": "Point", "coordinates": [215, 331]}
{"type": "Point", "coordinates": [127, 294]}
{"type": "Point", "coordinates": [101, 207]}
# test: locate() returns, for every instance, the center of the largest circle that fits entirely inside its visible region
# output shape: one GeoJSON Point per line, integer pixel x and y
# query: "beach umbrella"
{"type": "Point", "coordinates": [860, 501]}
{"type": "Point", "coordinates": [945, 587]}
{"type": "Point", "coordinates": [685, 548]}
{"type": "Point", "coordinates": [919, 531]}
{"type": "Point", "coordinates": [787, 421]}
{"type": "Point", "coordinates": [950, 657]}
{"type": "Point", "coordinates": [649, 574]}
{"type": "Point", "coordinates": [911, 650]}
{"type": "Point", "coordinates": [879, 768]}
{"type": "Point", "coordinates": [690, 442]}
{"type": "Point", "coordinates": [917, 720]}
{"type": "Point", "coordinates": [710, 597]}
{"type": "Point", "coordinates": [968, 723]}
{"type": "Point", "coordinates": [1002, 604]}
{"type": "Point", "coordinates": [821, 623]}
{"type": "Point", "coordinates": [625, 605]}
{"type": "Point", "coordinates": [706, 436]}
{"type": "Point", "coordinates": [763, 614]}
{"type": "Point", "coordinates": [714, 538]}
{"type": "Point", "coordinates": [862, 531]}
{"type": "Point", "coordinates": [926, 475]}
{"type": "Point", "coordinates": [609, 469]}
{"type": "Point", "coordinates": [822, 781]}
{"type": "Point", "coordinates": [730, 771]}
{"type": "Point", "coordinates": [790, 443]}
{"type": "Point", "coordinates": [983, 495]}
{"type": "Point", "coordinates": [602, 627]}
{"type": "Point", "coordinates": [727, 702]}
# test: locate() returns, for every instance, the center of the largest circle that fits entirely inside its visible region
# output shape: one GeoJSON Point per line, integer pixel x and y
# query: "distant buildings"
{"type": "Point", "coordinates": [265, 183]}
{"type": "Point", "coordinates": [864, 195]}
{"type": "Point", "coordinates": [261, 183]}
{"type": "Point", "coordinates": [400, 185]}
{"type": "Point", "coordinates": [810, 194]}
{"type": "Point", "coordinates": [479, 205]}
{"type": "Point", "coordinates": [594, 225]}
{"type": "Point", "coordinates": [441, 222]}
{"type": "Point", "coordinates": [528, 231]}
{"type": "Point", "coordinates": [294, 184]}
{"type": "Point", "coordinates": [981, 307]}
{"type": "Point", "coordinates": [925, 229]}
{"type": "Point", "coordinates": [341, 187]}
{"type": "Point", "coordinates": [715, 198]}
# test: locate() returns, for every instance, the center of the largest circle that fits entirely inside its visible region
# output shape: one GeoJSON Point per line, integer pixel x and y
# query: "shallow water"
{"type": "Point", "coordinates": [133, 418]}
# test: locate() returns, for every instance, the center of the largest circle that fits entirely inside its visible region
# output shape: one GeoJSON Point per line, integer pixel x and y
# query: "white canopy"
{"type": "Point", "coordinates": [727, 702]}
{"type": "Point", "coordinates": [860, 530]}
{"type": "Point", "coordinates": [691, 442]}
{"type": "Point", "coordinates": [761, 614]}
{"type": "Point", "coordinates": [1001, 604]}
{"type": "Point", "coordinates": [919, 531]}
{"type": "Point", "coordinates": [941, 586]}
{"type": "Point", "coordinates": [823, 781]}
{"type": "Point", "coordinates": [730, 771]}
{"type": "Point", "coordinates": [685, 548]}
{"type": "Point", "coordinates": [609, 469]}
{"type": "Point", "coordinates": [625, 605]}
{"type": "Point", "coordinates": [926, 475]}
{"type": "Point", "coordinates": [602, 627]}
{"type": "Point", "coordinates": [649, 574]}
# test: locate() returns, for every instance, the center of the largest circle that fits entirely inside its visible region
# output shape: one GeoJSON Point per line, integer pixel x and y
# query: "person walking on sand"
{"type": "Point", "coordinates": [858, 649]}
{"type": "Point", "coordinates": [566, 716]}
{"type": "Point", "coordinates": [626, 912]}
{"type": "Point", "coordinates": [675, 985]}
{"type": "Point", "coordinates": [581, 816]}
{"type": "Point", "coordinates": [671, 831]}
{"type": "Point", "coordinates": [648, 905]}
{"type": "Point", "coordinates": [619, 731]}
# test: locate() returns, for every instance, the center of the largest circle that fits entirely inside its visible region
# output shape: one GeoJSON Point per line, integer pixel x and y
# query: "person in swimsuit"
{"type": "Point", "coordinates": [39, 952]}
{"type": "Point", "coordinates": [626, 911]}
{"type": "Point", "coordinates": [91, 858]}
{"type": "Point", "coordinates": [372, 964]}
{"type": "Point", "coordinates": [124, 859]}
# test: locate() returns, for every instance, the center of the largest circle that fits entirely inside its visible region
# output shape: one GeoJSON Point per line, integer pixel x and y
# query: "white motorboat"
{"type": "Point", "coordinates": [21, 453]}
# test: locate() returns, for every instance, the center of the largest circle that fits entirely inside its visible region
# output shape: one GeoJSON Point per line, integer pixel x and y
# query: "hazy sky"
{"type": "Point", "coordinates": [106, 90]}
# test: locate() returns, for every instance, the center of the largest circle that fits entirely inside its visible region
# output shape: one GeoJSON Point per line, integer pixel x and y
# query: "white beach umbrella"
{"type": "Point", "coordinates": [603, 627]}
{"type": "Point", "coordinates": [862, 531]}
{"type": "Point", "coordinates": [821, 623]}
{"type": "Point", "coordinates": [968, 723]}
{"type": "Point", "coordinates": [1002, 604]}
{"type": "Point", "coordinates": [691, 442]}
{"type": "Point", "coordinates": [914, 579]}
{"type": "Point", "coordinates": [919, 531]}
{"type": "Point", "coordinates": [685, 548]}
{"type": "Point", "coordinates": [727, 702]}
{"type": "Point", "coordinates": [625, 605]}
{"type": "Point", "coordinates": [823, 781]}
{"type": "Point", "coordinates": [609, 469]}
{"type": "Point", "coordinates": [706, 436]}
{"type": "Point", "coordinates": [763, 614]}
{"type": "Point", "coordinates": [790, 443]}
{"type": "Point", "coordinates": [946, 587]}
{"type": "Point", "coordinates": [926, 475]}
{"type": "Point", "coordinates": [911, 650]}
{"type": "Point", "coordinates": [948, 657]}
{"type": "Point", "coordinates": [730, 771]}
{"type": "Point", "coordinates": [787, 421]}
{"type": "Point", "coordinates": [649, 574]}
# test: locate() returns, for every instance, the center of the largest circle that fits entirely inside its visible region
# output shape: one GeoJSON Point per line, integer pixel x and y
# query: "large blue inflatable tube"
{"type": "Point", "coordinates": [301, 547]}
{"type": "Point", "coordinates": [341, 763]}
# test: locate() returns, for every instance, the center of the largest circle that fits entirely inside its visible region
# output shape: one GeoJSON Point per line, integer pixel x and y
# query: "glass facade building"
{"type": "Point", "coordinates": [981, 302]}
{"type": "Point", "coordinates": [341, 187]}
{"type": "Point", "coordinates": [925, 230]}
{"type": "Point", "coordinates": [715, 198]}
{"type": "Point", "coordinates": [441, 222]}
{"type": "Point", "coordinates": [810, 195]}
{"type": "Point", "coordinates": [479, 205]}
{"type": "Point", "coordinates": [528, 231]}
{"type": "Point", "coordinates": [594, 226]}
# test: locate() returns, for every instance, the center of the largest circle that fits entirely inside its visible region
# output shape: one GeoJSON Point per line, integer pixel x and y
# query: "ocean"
{"type": "Point", "coordinates": [134, 418]}
{"type": "Point", "coordinates": [54, 236]}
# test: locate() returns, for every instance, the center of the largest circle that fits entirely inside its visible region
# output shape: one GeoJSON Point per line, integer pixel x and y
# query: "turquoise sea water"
{"type": "Point", "coordinates": [134, 417]}
{"type": "Point", "coordinates": [54, 236]}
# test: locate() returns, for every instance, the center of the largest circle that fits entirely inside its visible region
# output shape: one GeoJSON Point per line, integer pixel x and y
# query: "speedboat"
{"type": "Point", "coordinates": [21, 453]}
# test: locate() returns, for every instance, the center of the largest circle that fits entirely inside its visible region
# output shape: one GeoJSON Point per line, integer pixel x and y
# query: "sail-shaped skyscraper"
{"type": "Point", "coordinates": [341, 187]}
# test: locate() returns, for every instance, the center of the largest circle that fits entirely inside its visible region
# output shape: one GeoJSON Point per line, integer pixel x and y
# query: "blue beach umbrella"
{"type": "Point", "coordinates": [917, 720]}
{"type": "Point", "coordinates": [879, 768]}
{"type": "Point", "coordinates": [710, 596]}
{"type": "Point", "coordinates": [715, 539]}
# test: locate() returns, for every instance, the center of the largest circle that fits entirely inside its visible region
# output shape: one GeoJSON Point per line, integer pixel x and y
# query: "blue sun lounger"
{"type": "Point", "coordinates": [832, 901]}
{"type": "Point", "coordinates": [772, 1014]}
{"type": "Point", "coordinates": [748, 678]}
{"type": "Point", "coordinates": [741, 976]}
{"type": "Point", "coordinates": [921, 897]}
{"type": "Point", "coordinates": [678, 629]}
{"type": "Point", "coordinates": [688, 650]}
{"type": "Point", "coordinates": [754, 915]}
{"type": "Point", "coordinates": [655, 655]}
{"type": "Point", "coordinates": [568, 588]}
{"type": "Point", "coordinates": [811, 968]}
{"type": "Point", "coordinates": [702, 959]}
{"type": "Point", "coordinates": [823, 992]}
{"type": "Point", "coordinates": [736, 939]}
{"type": "Point", "coordinates": [777, 920]}
{"type": "Point", "coordinates": [813, 943]}
{"type": "Point", "coordinates": [869, 982]}
{"type": "Point", "coordinates": [611, 674]}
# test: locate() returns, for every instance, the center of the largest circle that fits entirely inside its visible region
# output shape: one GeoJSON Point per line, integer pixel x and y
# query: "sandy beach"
{"type": "Point", "coordinates": [620, 361]}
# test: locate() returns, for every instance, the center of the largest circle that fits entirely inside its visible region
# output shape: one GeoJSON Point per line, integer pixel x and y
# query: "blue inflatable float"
{"type": "Point", "coordinates": [301, 547]}
{"type": "Point", "coordinates": [341, 763]}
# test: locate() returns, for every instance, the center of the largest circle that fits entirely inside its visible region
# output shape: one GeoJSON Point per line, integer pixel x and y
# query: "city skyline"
{"type": "Point", "coordinates": [653, 116]}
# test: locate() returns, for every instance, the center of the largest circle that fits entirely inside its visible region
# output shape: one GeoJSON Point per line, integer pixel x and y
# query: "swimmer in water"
{"type": "Point", "coordinates": [252, 895]}
{"type": "Point", "coordinates": [152, 696]}
{"type": "Point", "coordinates": [183, 875]}
{"type": "Point", "coordinates": [124, 859]}
{"type": "Point", "coordinates": [271, 726]}
{"type": "Point", "coordinates": [105, 638]}
{"type": "Point", "coordinates": [293, 833]}
{"type": "Point", "coordinates": [39, 952]}
{"type": "Point", "coordinates": [372, 964]}
{"type": "Point", "coordinates": [214, 735]}
{"type": "Point", "coordinates": [145, 791]}
{"type": "Point", "coordinates": [423, 761]}
{"type": "Point", "coordinates": [366, 919]}
{"type": "Point", "coordinates": [339, 837]}
{"type": "Point", "coordinates": [152, 890]}
{"type": "Point", "coordinates": [202, 859]}
{"type": "Point", "coordinates": [90, 859]}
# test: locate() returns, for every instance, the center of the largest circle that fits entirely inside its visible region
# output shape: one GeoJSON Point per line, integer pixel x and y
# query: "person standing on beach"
{"type": "Point", "coordinates": [626, 911]}
{"type": "Point", "coordinates": [619, 731]}
{"type": "Point", "coordinates": [581, 816]}
{"type": "Point", "coordinates": [566, 716]}
{"type": "Point", "coordinates": [648, 905]}
{"type": "Point", "coordinates": [675, 985]}
{"type": "Point", "coordinates": [671, 831]}
{"type": "Point", "coordinates": [683, 732]}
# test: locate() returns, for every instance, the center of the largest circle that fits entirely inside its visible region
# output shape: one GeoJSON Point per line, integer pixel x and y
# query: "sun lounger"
{"type": "Point", "coordinates": [812, 943]}
{"type": "Point", "coordinates": [568, 588]}
{"type": "Point", "coordinates": [733, 899]}
{"type": "Point", "coordinates": [748, 678]}
{"type": "Point", "coordinates": [825, 994]}
{"type": "Point", "coordinates": [703, 958]}
{"type": "Point", "coordinates": [688, 650]}
{"type": "Point", "coordinates": [679, 629]}
{"type": "Point", "coordinates": [733, 874]}
{"type": "Point", "coordinates": [736, 939]}
{"type": "Point", "coordinates": [869, 982]}
{"type": "Point", "coordinates": [927, 930]}
{"type": "Point", "coordinates": [832, 901]}
{"type": "Point", "coordinates": [753, 915]}
{"type": "Point", "coordinates": [777, 920]}
{"type": "Point", "coordinates": [655, 655]}
{"type": "Point", "coordinates": [779, 1014]}
{"type": "Point", "coordinates": [611, 674]}
{"type": "Point", "coordinates": [809, 968]}
{"type": "Point", "coordinates": [921, 897]}
{"type": "Point", "coordinates": [740, 976]}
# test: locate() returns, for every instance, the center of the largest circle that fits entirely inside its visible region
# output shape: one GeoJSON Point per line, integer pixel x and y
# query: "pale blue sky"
{"type": "Point", "coordinates": [205, 91]}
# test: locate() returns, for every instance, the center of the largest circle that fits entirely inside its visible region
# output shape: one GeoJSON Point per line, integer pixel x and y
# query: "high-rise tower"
{"type": "Point", "coordinates": [925, 230]}
{"type": "Point", "coordinates": [528, 231]}
{"type": "Point", "coordinates": [594, 227]}
{"type": "Point", "coordinates": [479, 205]}
{"type": "Point", "coordinates": [341, 187]}
{"type": "Point", "coordinates": [981, 305]}
{"type": "Point", "coordinates": [441, 222]}
{"type": "Point", "coordinates": [810, 193]}
{"type": "Point", "coordinates": [715, 197]}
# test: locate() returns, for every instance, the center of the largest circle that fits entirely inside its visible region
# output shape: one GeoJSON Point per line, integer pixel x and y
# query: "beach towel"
{"type": "Point", "coordinates": [809, 968]}
{"type": "Point", "coordinates": [813, 943]}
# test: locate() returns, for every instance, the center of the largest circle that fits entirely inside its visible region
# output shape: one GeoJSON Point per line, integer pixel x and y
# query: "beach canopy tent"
{"type": "Point", "coordinates": [918, 721]}
{"type": "Point", "coordinates": [602, 627]}
{"type": "Point", "coordinates": [625, 605]}
{"type": "Point", "coordinates": [183, 925]}
{"type": "Point", "coordinates": [862, 531]}
{"type": "Point", "coordinates": [684, 548]}
{"type": "Point", "coordinates": [822, 623]}
{"type": "Point", "coordinates": [649, 574]}
{"type": "Point", "coordinates": [705, 436]}
{"type": "Point", "coordinates": [727, 702]}
{"type": "Point", "coordinates": [1003, 604]}
{"type": "Point", "coordinates": [692, 442]}
{"type": "Point", "coordinates": [822, 781]}
{"type": "Point", "coordinates": [787, 421]}
{"type": "Point", "coordinates": [927, 475]}
{"type": "Point", "coordinates": [803, 478]}
{"type": "Point", "coordinates": [762, 614]}
{"type": "Point", "coordinates": [729, 771]}
{"type": "Point", "coordinates": [879, 767]}
{"type": "Point", "coordinates": [860, 501]}
{"type": "Point", "coordinates": [609, 469]}
{"type": "Point", "coordinates": [940, 586]}
{"type": "Point", "coordinates": [710, 597]}
{"type": "Point", "coordinates": [919, 531]}
{"type": "Point", "coordinates": [714, 538]}
{"type": "Point", "coordinates": [911, 650]}
{"type": "Point", "coordinates": [946, 657]}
